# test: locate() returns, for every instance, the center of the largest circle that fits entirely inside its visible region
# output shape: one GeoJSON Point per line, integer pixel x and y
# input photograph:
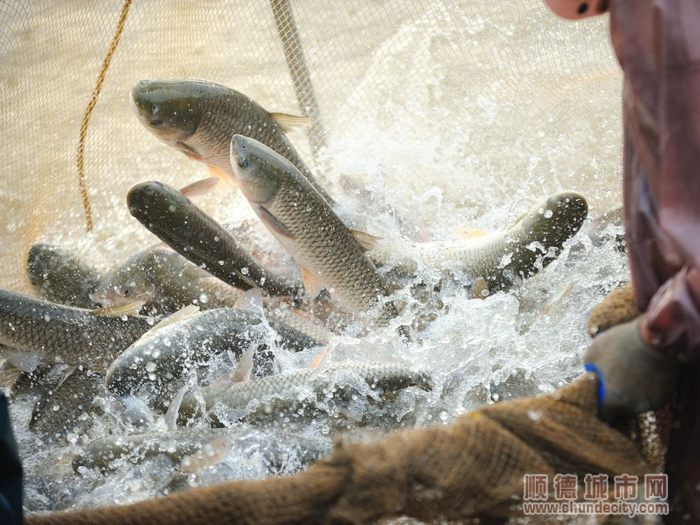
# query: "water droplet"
{"type": "Point", "coordinates": [534, 414]}
{"type": "Point", "coordinates": [548, 214]}
{"type": "Point", "coordinates": [151, 366]}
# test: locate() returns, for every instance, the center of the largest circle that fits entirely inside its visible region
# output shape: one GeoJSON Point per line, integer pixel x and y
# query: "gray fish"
{"type": "Point", "coordinates": [330, 254]}
{"type": "Point", "coordinates": [159, 360]}
{"type": "Point", "coordinates": [64, 398]}
{"type": "Point", "coordinates": [285, 393]}
{"type": "Point", "coordinates": [199, 118]}
{"type": "Point", "coordinates": [498, 259]}
{"type": "Point", "coordinates": [178, 445]}
{"type": "Point", "coordinates": [60, 276]}
{"type": "Point", "coordinates": [167, 281]}
{"type": "Point", "coordinates": [64, 334]}
{"type": "Point", "coordinates": [188, 230]}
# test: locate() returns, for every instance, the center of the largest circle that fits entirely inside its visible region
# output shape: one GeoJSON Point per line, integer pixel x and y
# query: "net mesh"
{"type": "Point", "coordinates": [463, 78]}
{"type": "Point", "coordinates": [402, 67]}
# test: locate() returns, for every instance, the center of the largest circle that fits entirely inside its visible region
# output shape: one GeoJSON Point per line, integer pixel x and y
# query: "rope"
{"type": "Point", "coordinates": [88, 113]}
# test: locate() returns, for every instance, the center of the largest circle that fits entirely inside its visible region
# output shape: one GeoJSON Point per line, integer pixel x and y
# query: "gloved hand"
{"type": "Point", "coordinates": [634, 377]}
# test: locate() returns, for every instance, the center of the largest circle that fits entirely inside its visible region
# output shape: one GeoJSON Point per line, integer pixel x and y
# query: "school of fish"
{"type": "Point", "coordinates": [188, 335]}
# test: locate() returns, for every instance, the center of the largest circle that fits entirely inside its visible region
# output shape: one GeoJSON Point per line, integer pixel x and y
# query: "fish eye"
{"type": "Point", "coordinates": [126, 292]}
{"type": "Point", "coordinates": [243, 163]}
{"type": "Point", "coordinates": [156, 122]}
{"type": "Point", "coordinates": [155, 109]}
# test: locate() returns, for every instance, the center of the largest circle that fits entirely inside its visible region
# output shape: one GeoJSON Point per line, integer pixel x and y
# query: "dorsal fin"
{"type": "Point", "coordinates": [289, 122]}
{"type": "Point", "coordinates": [182, 313]}
{"type": "Point", "coordinates": [365, 240]}
{"type": "Point", "coordinates": [127, 309]}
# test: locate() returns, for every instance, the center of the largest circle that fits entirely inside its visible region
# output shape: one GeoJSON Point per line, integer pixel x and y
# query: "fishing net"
{"type": "Point", "coordinates": [501, 91]}
{"type": "Point", "coordinates": [473, 468]}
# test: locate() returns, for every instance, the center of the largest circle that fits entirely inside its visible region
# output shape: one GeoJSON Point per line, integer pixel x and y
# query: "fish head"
{"type": "Point", "coordinates": [132, 280]}
{"type": "Point", "coordinates": [256, 169]}
{"type": "Point", "coordinates": [155, 203]}
{"type": "Point", "coordinates": [557, 219]}
{"type": "Point", "coordinates": [168, 108]}
{"type": "Point", "coordinates": [123, 286]}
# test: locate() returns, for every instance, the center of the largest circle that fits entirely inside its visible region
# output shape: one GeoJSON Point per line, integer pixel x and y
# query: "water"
{"type": "Point", "coordinates": [459, 115]}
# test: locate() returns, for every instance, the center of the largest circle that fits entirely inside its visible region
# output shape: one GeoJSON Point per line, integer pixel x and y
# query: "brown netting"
{"type": "Point", "coordinates": [618, 307]}
{"type": "Point", "coordinates": [472, 468]}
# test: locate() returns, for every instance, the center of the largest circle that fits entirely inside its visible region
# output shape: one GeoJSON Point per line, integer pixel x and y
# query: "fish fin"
{"type": "Point", "coordinates": [312, 282]}
{"type": "Point", "coordinates": [290, 122]}
{"type": "Point", "coordinates": [200, 187]}
{"type": "Point", "coordinates": [220, 174]}
{"type": "Point", "coordinates": [365, 240]}
{"type": "Point", "coordinates": [250, 301]}
{"type": "Point", "coordinates": [129, 309]}
{"type": "Point", "coordinates": [471, 233]}
{"type": "Point", "coordinates": [480, 288]}
{"type": "Point", "coordinates": [189, 151]}
{"type": "Point", "coordinates": [272, 223]}
{"type": "Point", "coordinates": [68, 373]}
{"type": "Point", "coordinates": [174, 409]}
{"type": "Point", "coordinates": [182, 313]}
{"type": "Point", "coordinates": [244, 367]}
{"type": "Point", "coordinates": [320, 358]}
{"type": "Point", "coordinates": [9, 376]}
{"type": "Point", "coordinates": [23, 361]}
{"type": "Point", "coordinates": [209, 455]}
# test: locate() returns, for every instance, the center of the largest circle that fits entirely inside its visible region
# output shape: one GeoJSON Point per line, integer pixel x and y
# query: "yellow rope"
{"type": "Point", "coordinates": [88, 113]}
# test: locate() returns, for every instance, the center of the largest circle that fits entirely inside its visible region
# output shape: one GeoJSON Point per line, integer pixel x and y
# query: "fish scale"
{"type": "Point", "coordinates": [312, 233]}
{"type": "Point", "coordinates": [210, 114]}
{"type": "Point", "coordinates": [499, 257]}
{"type": "Point", "coordinates": [336, 380]}
{"type": "Point", "coordinates": [66, 334]}
{"type": "Point", "coordinates": [169, 352]}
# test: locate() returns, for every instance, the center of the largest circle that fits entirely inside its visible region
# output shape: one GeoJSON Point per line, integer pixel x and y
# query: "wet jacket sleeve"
{"type": "Point", "coordinates": [658, 45]}
{"type": "Point", "coordinates": [10, 471]}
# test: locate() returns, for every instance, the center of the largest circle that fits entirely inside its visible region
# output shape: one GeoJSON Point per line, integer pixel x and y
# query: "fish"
{"type": "Point", "coordinates": [284, 394]}
{"type": "Point", "coordinates": [279, 449]}
{"type": "Point", "coordinates": [64, 399]}
{"type": "Point", "coordinates": [167, 281]}
{"type": "Point", "coordinates": [497, 260]}
{"type": "Point", "coordinates": [198, 237]}
{"type": "Point", "coordinates": [198, 118]}
{"type": "Point", "coordinates": [65, 334]}
{"type": "Point", "coordinates": [161, 359]}
{"type": "Point", "coordinates": [61, 276]}
{"type": "Point", "coordinates": [330, 255]}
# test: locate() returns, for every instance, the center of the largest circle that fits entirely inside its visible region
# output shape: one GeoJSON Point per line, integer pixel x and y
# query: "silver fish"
{"type": "Point", "coordinates": [284, 393]}
{"type": "Point", "coordinates": [199, 118]}
{"type": "Point", "coordinates": [60, 276]}
{"type": "Point", "coordinates": [498, 259]}
{"type": "Point", "coordinates": [64, 334]}
{"type": "Point", "coordinates": [329, 254]}
{"type": "Point", "coordinates": [159, 360]}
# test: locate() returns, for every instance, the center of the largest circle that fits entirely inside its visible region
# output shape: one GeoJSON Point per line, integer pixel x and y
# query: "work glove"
{"type": "Point", "coordinates": [634, 377]}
